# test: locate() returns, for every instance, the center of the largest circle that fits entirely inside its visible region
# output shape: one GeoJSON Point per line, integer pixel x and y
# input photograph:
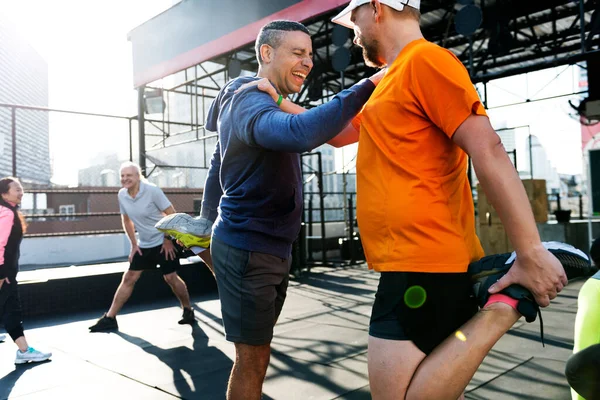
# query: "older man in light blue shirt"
{"type": "Point", "coordinates": [142, 205]}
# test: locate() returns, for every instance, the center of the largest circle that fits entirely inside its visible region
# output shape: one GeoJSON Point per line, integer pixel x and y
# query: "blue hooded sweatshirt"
{"type": "Point", "coordinates": [255, 178]}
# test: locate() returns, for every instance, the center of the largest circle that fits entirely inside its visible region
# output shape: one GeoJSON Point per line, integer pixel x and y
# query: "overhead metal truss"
{"type": "Point", "coordinates": [515, 37]}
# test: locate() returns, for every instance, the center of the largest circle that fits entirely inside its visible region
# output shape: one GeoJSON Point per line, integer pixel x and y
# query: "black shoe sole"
{"type": "Point", "coordinates": [93, 329]}
{"type": "Point", "coordinates": [574, 266]}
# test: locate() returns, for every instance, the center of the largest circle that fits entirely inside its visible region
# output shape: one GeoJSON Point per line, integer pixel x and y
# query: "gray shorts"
{"type": "Point", "coordinates": [252, 288]}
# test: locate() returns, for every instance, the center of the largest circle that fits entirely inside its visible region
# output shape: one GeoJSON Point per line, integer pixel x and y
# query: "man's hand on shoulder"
{"type": "Point", "coordinates": [378, 76]}
{"type": "Point", "coordinates": [262, 84]}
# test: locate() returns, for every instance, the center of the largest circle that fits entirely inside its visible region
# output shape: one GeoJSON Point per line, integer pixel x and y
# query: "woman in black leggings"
{"type": "Point", "coordinates": [12, 227]}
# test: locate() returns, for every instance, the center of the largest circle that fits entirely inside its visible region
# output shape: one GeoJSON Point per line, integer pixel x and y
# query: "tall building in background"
{"type": "Point", "coordinates": [508, 139]}
{"type": "Point", "coordinates": [23, 80]}
{"type": "Point", "coordinates": [542, 167]}
{"type": "Point", "coordinates": [103, 171]}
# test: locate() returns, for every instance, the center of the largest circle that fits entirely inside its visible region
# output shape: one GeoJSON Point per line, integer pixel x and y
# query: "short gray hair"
{"type": "Point", "coordinates": [272, 33]}
{"type": "Point", "coordinates": [129, 164]}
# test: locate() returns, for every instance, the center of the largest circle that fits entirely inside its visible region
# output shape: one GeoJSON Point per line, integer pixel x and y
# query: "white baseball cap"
{"type": "Point", "coordinates": [343, 18]}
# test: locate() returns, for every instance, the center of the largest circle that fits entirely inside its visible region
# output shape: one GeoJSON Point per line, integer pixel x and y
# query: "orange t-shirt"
{"type": "Point", "coordinates": [414, 204]}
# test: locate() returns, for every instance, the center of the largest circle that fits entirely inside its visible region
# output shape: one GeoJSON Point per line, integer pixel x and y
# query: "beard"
{"type": "Point", "coordinates": [370, 50]}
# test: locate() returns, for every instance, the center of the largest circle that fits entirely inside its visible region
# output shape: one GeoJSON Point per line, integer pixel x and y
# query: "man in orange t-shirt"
{"type": "Point", "coordinates": [416, 217]}
{"type": "Point", "coordinates": [415, 211]}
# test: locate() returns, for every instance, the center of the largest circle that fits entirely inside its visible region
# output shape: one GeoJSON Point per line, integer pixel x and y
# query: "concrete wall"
{"type": "Point", "coordinates": [73, 250]}
{"type": "Point", "coordinates": [79, 250]}
{"type": "Point", "coordinates": [574, 233]}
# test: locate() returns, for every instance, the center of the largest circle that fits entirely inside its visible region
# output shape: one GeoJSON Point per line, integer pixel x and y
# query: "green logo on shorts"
{"type": "Point", "coordinates": [415, 296]}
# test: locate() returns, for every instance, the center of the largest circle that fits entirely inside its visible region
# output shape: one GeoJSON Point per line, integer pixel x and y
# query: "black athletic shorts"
{"type": "Point", "coordinates": [152, 257]}
{"type": "Point", "coordinates": [424, 308]}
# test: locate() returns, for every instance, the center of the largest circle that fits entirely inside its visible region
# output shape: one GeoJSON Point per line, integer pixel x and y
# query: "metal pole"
{"type": "Point", "coordinates": [322, 208]}
{"type": "Point", "coordinates": [351, 231]}
{"type": "Point", "coordinates": [344, 177]}
{"type": "Point", "coordinates": [196, 99]}
{"type": "Point", "coordinates": [130, 142]}
{"type": "Point", "coordinates": [310, 229]}
{"type": "Point", "coordinates": [302, 238]}
{"type": "Point", "coordinates": [485, 95]}
{"type": "Point", "coordinates": [470, 172]}
{"type": "Point", "coordinates": [590, 198]}
{"type": "Point", "coordinates": [204, 130]}
{"type": "Point", "coordinates": [344, 186]}
{"type": "Point", "coordinates": [470, 55]}
{"type": "Point", "coordinates": [582, 24]}
{"type": "Point", "coordinates": [530, 158]}
{"type": "Point", "coordinates": [142, 130]}
{"type": "Point", "coordinates": [13, 114]}
{"type": "Point", "coordinates": [168, 118]}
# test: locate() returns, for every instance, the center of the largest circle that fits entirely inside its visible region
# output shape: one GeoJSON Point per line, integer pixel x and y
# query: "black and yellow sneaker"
{"type": "Point", "coordinates": [189, 231]}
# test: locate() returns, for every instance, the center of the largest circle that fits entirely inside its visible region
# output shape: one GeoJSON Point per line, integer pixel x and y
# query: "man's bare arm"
{"type": "Point", "coordinates": [537, 269]}
{"type": "Point", "coordinates": [169, 210]}
{"type": "Point", "coordinates": [129, 229]}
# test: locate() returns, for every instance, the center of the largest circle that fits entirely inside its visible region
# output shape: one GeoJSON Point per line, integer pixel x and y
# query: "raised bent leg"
{"type": "Point", "coordinates": [446, 372]}
{"type": "Point", "coordinates": [399, 370]}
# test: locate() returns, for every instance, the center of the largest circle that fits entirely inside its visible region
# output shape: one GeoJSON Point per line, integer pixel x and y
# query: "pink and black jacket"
{"type": "Point", "coordinates": [11, 234]}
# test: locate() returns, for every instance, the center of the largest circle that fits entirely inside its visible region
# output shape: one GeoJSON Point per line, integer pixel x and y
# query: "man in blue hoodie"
{"type": "Point", "coordinates": [255, 180]}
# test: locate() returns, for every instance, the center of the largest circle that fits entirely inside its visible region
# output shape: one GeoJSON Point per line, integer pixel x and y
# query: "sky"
{"type": "Point", "coordinates": [85, 45]}
{"type": "Point", "coordinates": [90, 69]}
{"type": "Point", "coordinates": [552, 120]}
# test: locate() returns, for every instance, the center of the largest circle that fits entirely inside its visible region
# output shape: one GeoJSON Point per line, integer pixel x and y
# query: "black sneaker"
{"type": "Point", "coordinates": [187, 317]}
{"type": "Point", "coordinates": [105, 323]}
{"type": "Point", "coordinates": [487, 271]}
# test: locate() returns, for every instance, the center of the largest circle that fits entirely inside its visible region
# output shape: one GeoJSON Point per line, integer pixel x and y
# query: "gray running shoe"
{"type": "Point", "coordinates": [31, 355]}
